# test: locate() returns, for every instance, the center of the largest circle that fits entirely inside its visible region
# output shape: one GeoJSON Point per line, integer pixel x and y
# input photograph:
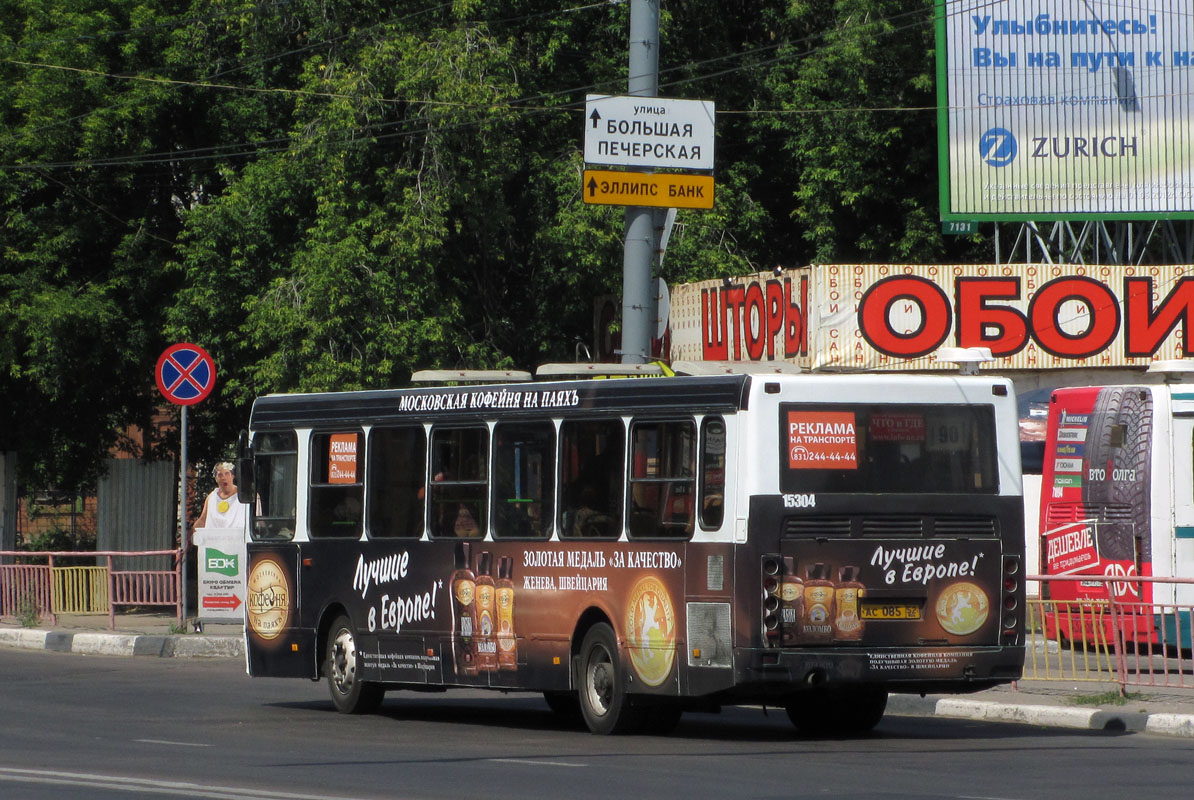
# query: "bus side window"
{"type": "Point", "coordinates": [591, 479]}
{"type": "Point", "coordinates": [459, 482]}
{"type": "Point", "coordinates": [337, 491]}
{"type": "Point", "coordinates": [713, 472]}
{"type": "Point", "coordinates": [523, 479]}
{"type": "Point", "coordinates": [662, 479]}
{"type": "Point", "coordinates": [397, 463]}
{"type": "Point", "coordinates": [275, 477]}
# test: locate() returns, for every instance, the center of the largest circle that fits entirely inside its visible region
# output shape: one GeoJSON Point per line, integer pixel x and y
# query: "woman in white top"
{"type": "Point", "coordinates": [221, 509]}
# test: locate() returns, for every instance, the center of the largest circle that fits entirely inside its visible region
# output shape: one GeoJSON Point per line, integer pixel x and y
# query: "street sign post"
{"type": "Point", "coordinates": [652, 189]}
{"type": "Point", "coordinates": [649, 132]}
{"type": "Point", "coordinates": [185, 375]}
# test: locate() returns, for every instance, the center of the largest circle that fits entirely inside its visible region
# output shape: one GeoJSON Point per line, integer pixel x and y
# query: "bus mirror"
{"type": "Point", "coordinates": [244, 469]}
{"type": "Point", "coordinates": [244, 479]}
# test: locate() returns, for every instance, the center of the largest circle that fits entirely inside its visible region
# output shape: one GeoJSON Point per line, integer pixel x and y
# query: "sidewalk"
{"type": "Point", "coordinates": [147, 634]}
{"type": "Point", "coordinates": [1157, 710]}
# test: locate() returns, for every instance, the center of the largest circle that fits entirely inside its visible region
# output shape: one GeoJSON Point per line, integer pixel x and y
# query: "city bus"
{"type": "Point", "coordinates": [636, 548]}
{"type": "Point", "coordinates": [1117, 500]}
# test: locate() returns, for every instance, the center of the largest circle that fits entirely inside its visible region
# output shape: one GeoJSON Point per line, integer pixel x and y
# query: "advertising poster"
{"type": "Point", "coordinates": [1095, 499]}
{"type": "Point", "coordinates": [1056, 108]}
{"type": "Point", "coordinates": [493, 614]}
{"type": "Point", "coordinates": [221, 574]}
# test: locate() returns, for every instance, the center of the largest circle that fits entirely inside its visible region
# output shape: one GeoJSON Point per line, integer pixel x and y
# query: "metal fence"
{"type": "Point", "coordinates": [29, 589]}
{"type": "Point", "coordinates": [1109, 629]}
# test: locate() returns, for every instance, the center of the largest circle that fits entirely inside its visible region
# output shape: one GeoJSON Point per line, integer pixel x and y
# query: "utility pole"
{"type": "Point", "coordinates": [638, 255]}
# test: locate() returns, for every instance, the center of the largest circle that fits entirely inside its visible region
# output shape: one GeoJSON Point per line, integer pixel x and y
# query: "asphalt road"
{"type": "Point", "coordinates": [104, 728]}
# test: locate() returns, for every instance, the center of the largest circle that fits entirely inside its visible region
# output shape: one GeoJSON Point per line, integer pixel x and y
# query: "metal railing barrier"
{"type": "Point", "coordinates": [32, 590]}
{"type": "Point", "coordinates": [1131, 631]}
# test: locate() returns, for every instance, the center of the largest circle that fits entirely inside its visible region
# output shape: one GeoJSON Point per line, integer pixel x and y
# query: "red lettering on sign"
{"type": "Point", "coordinates": [715, 342]}
{"type": "Point", "coordinates": [976, 316]}
{"type": "Point", "coordinates": [754, 316]}
{"type": "Point", "coordinates": [1145, 328]}
{"type": "Point", "coordinates": [775, 314]}
{"type": "Point", "coordinates": [796, 320]}
{"type": "Point", "coordinates": [1045, 308]}
{"type": "Point", "coordinates": [754, 321]}
{"type": "Point", "coordinates": [735, 299]}
{"type": "Point", "coordinates": [874, 316]}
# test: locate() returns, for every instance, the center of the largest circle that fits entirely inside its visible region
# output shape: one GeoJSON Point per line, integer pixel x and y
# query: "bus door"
{"type": "Point", "coordinates": [1182, 557]}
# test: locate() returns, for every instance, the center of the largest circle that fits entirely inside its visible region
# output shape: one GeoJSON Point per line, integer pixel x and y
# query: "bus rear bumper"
{"type": "Point", "coordinates": [903, 670]}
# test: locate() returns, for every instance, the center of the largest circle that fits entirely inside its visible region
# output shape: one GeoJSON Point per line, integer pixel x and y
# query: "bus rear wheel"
{"type": "Point", "coordinates": [349, 693]}
{"type": "Point", "coordinates": [603, 699]}
{"type": "Point", "coordinates": [837, 712]}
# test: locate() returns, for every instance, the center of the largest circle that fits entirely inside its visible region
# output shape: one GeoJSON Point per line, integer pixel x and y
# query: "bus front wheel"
{"type": "Point", "coordinates": [603, 699]}
{"type": "Point", "coordinates": [349, 693]}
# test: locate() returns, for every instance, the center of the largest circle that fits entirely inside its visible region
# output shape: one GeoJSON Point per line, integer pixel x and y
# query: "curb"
{"type": "Point", "coordinates": [1047, 716]}
{"type": "Point", "coordinates": [120, 644]}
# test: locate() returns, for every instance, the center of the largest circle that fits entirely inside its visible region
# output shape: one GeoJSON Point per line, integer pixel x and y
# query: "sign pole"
{"type": "Point", "coordinates": [182, 511]}
{"type": "Point", "coordinates": [638, 252]}
{"type": "Point", "coordinates": [185, 374]}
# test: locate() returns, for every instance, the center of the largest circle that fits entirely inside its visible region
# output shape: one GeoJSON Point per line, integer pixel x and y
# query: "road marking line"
{"type": "Point", "coordinates": [537, 763]}
{"type": "Point", "coordinates": [174, 744]}
{"type": "Point", "coordinates": [146, 785]}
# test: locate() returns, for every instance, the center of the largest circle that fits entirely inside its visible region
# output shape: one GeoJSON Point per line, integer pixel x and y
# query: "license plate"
{"type": "Point", "coordinates": [890, 611]}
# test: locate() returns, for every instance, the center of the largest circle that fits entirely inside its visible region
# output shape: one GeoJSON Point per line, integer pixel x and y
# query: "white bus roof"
{"type": "Point", "coordinates": [470, 375]}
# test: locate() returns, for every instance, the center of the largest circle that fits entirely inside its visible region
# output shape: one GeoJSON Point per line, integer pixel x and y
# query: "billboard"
{"type": "Point", "coordinates": [1065, 109]}
{"type": "Point", "coordinates": [895, 316]}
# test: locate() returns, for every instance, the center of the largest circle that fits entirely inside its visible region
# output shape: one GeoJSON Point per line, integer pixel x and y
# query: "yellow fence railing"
{"type": "Point", "coordinates": [80, 590]}
{"type": "Point", "coordinates": [1066, 641]}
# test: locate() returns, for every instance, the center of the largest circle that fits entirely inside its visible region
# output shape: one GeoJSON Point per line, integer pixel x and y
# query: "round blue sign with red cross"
{"type": "Point", "coordinates": [185, 374]}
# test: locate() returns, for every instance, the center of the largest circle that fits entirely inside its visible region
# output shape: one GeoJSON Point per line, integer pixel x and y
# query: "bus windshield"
{"type": "Point", "coordinates": [844, 448]}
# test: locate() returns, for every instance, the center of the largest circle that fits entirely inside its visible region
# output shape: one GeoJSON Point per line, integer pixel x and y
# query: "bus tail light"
{"type": "Point", "coordinates": [769, 581]}
{"type": "Point", "coordinates": [1011, 600]}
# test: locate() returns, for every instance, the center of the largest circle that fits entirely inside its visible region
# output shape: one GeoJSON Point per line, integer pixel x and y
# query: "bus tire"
{"type": "Point", "coordinates": [565, 705]}
{"type": "Point", "coordinates": [661, 718]}
{"type": "Point", "coordinates": [837, 712]}
{"type": "Point", "coordinates": [349, 694]}
{"type": "Point", "coordinates": [604, 703]}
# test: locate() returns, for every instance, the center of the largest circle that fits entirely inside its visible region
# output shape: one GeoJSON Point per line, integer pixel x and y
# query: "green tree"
{"type": "Point", "coordinates": [329, 196]}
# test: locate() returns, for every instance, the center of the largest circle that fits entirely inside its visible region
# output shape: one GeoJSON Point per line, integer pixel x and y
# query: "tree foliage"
{"type": "Point", "coordinates": [331, 195]}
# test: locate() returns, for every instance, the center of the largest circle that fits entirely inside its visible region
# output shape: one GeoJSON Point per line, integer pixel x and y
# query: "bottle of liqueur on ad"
{"type": "Point", "coordinates": [486, 615]}
{"type": "Point", "coordinates": [507, 654]}
{"type": "Point", "coordinates": [791, 598]}
{"type": "Point", "coordinates": [464, 612]}
{"type": "Point", "coordinates": [847, 625]}
{"type": "Point", "coordinates": [816, 624]}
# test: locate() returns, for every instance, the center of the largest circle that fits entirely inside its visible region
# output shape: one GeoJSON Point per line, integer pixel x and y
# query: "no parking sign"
{"type": "Point", "coordinates": [185, 374]}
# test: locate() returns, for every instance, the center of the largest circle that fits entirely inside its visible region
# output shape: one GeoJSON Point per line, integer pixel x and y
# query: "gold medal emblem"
{"type": "Point", "coordinates": [651, 631]}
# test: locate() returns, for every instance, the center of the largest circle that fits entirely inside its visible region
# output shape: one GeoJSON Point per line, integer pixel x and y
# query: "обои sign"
{"type": "Point", "coordinates": [1037, 316]}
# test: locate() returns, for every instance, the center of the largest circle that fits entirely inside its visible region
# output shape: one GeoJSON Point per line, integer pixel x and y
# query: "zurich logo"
{"type": "Point", "coordinates": [997, 147]}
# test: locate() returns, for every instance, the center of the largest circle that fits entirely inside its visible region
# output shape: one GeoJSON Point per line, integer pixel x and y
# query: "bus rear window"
{"type": "Point", "coordinates": [912, 449]}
